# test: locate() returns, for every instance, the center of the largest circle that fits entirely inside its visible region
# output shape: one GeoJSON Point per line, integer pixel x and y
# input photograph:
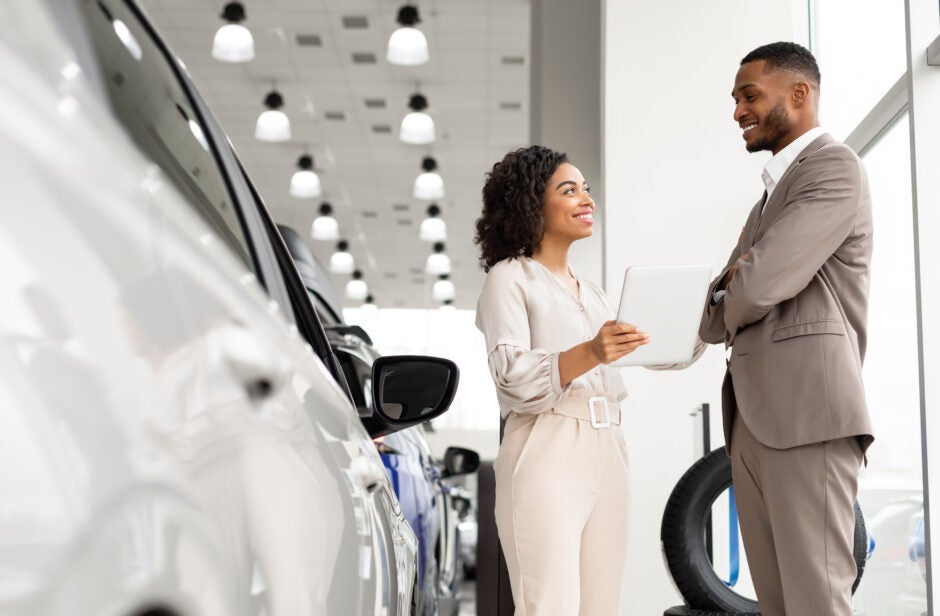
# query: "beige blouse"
{"type": "Point", "coordinates": [528, 316]}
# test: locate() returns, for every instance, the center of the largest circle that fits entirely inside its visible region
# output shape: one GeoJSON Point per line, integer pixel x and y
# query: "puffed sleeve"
{"type": "Point", "coordinates": [527, 380]}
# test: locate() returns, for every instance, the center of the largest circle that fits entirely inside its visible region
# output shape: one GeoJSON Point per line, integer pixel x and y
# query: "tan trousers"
{"type": "Point", "coordinates": [562, 502]}
{"type": "Point", "coordinates": [795, 508]}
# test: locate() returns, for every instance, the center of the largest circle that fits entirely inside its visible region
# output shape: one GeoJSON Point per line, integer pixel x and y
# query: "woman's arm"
{"type": "Point", "coordinates": [613, 341]}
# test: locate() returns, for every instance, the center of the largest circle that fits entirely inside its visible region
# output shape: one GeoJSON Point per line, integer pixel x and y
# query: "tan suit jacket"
{"type": "Point", "coordinates": [795, 311]}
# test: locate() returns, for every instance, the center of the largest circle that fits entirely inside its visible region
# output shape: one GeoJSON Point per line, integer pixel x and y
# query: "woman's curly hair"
{"type": "Point", "coordinates": [512, 223]}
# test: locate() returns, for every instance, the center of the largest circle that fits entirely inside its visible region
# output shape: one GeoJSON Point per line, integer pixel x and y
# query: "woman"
{"type": "Point", "coordinates": [562, 491]}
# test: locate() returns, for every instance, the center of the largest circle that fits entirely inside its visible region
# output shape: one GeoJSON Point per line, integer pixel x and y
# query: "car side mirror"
{"type": "Point", "coordinates": [460, 461]}
{"type": "Point", "coordinates": [408, 390]}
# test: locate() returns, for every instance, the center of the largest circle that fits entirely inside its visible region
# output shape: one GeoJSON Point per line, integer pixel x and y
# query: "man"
{"type": "Point", "coordinates": [792, 303]}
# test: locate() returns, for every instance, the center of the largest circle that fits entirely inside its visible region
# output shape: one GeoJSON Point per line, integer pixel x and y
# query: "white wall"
{"type": "Point", "coordinates": [678, 186]}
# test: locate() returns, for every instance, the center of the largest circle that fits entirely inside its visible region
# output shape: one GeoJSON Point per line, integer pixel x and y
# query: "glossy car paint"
{"type": "Point", "coordinates": [167, 438]}
{"type": "Point", "coordinates": [417, 481]}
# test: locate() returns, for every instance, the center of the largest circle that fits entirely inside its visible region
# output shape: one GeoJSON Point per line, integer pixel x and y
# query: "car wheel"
{"type": "Point", "coordinates": [683, 540]}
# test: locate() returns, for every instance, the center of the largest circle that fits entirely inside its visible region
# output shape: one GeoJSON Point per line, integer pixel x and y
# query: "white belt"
{"type": "Point", "coordinates": [600, 410]}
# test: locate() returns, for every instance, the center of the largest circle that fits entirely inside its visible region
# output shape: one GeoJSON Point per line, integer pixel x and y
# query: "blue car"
{"type": "Point", "coordinates": [412, 475]}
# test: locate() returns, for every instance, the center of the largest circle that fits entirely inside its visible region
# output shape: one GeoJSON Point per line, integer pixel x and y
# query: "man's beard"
{"type": "Point", "coordinates": [775, 126]}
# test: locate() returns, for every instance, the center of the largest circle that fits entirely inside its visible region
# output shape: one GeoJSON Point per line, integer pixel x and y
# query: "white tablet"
{"type": "Point", "coordinates": [666, 302]}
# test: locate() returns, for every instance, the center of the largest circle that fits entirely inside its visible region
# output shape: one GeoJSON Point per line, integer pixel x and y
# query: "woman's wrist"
{"type": "Point", "coordinates": [576, 361]}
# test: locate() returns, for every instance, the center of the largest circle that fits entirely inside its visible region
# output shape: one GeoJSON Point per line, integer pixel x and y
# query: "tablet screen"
{"type": "Point", "coordinates": [667, 303]}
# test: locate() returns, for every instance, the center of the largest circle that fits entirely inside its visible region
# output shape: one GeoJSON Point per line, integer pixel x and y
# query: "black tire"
{"type": "Point", "coordinates": [683, 540]}
{"type": "Point", "coordinates": [681, 610]}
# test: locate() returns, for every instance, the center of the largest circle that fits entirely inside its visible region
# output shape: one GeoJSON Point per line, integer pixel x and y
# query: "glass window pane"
{"type": "Point", "coordinates": [891, 487]}
{"type": "Point", "coordinates": [861, 49]}
{"type": "Point", "coordinates": [148, 99]}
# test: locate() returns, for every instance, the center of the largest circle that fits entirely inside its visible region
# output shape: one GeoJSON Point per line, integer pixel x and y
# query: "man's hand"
{"type": "Point", "coordinates": [614, 340]}
{"type": "Point", "coordinates": [724, 283]}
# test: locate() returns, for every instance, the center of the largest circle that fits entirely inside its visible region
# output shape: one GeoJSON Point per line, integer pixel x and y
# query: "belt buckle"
{"type": "Point", "coordinates": [594, 422]}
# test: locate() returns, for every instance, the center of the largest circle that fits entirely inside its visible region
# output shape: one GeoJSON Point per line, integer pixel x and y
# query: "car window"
{"type": "Point", "coordinates": [147, 99]}
{"type": "Point", "coordinates": [359, 376]}
{"type": "Point", "coordinates": [326, 314]}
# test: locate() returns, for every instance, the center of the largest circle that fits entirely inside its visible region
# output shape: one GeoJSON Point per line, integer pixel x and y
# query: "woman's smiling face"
{"type": "Point", "coordinates": [568, 208]}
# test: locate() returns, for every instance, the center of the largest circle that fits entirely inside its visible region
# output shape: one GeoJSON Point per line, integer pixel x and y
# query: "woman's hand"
{"type": "Point", "coordinates": [614, 340]}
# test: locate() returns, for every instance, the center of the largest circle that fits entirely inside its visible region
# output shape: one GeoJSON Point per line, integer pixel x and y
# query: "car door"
{"type": "Point", "coordinates": [274, 449]}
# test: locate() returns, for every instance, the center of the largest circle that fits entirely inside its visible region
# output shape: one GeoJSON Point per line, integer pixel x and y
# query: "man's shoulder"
{"type": "Point", "coordinates": [828, 147]}
{"type": "Point", "coordinates": [827, 155]}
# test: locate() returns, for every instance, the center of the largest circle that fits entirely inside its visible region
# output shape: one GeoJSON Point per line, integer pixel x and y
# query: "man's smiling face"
{"type": "Point", "coordinates": [762, 107]}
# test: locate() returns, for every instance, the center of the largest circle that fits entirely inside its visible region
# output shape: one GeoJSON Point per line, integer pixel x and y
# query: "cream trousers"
{"type": "Point", "coordinates": [562, 503]}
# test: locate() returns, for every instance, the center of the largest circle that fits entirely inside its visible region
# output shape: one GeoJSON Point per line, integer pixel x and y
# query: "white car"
{"type": "Point", "coordinates": [176, 436]}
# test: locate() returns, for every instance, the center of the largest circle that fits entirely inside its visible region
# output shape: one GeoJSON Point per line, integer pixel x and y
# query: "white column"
{"type": "Point", "coordinates": [923, 18]}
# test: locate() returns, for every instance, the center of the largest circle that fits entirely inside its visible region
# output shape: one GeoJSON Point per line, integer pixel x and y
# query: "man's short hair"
{"type": "Point", "coordinates": [788, 57]}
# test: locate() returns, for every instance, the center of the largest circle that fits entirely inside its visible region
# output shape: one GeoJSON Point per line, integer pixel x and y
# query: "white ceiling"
{"type": "Point", "coordinates": [477, 85]}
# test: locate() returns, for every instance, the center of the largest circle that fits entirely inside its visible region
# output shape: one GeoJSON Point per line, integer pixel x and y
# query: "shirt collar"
{"type": "Point", "coordinates": [778, 164]}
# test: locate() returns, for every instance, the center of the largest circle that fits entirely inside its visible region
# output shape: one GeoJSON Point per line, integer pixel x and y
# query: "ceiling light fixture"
{"type": "Point", "coordinates": [417, 126]}
{"type": "Point", "coordinates": [325, 226]}
{"type": "Point", "coordinates": [233, 42]}
{"type": "Point", "coordinates": [305, 184]}
{"type": "Point", "coordinates": [369, 305]}
{"type": "Point", "coordinates": [429, 184]}
{"type": "Point", "coordinates": [438, 263]}
{"type": "Point", "coordinates": [273, 124]}
{"type": "Point", "coordinates": [357, 289]}
{"type": "Point", "coordinates": [341, 261]}
{"type": "Point", "coordinates": [448, 306]}
{"type": "Point", "coordinates": [407, 46]}
{"type": "Point", "coordinates": [433, 228]}
{"type": "Point", "coordinates": [443, 290]}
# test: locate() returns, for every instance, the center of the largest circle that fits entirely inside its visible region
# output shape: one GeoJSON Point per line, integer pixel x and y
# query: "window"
{"type": "Point", "coordinates": [358, 375]}
{"type": "Point", "coordinates": [862, 52]}
{"type": "Point", "coordinates": [146, 97]}
{"type": "Point", "coordinates": [891, 487]}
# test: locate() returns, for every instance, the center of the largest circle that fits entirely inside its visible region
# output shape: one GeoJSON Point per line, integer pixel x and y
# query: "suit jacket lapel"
{"type": "Point", "coordinates": [772, 209]}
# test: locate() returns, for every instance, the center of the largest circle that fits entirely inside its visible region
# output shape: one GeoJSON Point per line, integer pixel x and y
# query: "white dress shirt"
{"type": "Point", "coordinates": [781, 161]}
